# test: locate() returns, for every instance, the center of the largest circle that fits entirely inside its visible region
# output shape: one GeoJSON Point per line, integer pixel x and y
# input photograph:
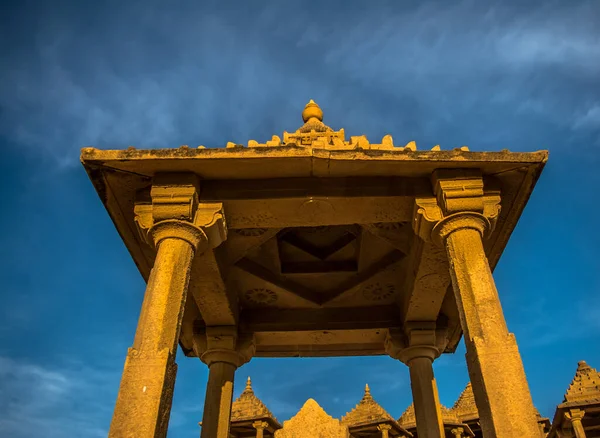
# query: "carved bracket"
{"type": "Point", "coordinates": [456, 192]}
{"type": "Point", "coordinates": [224, 344]}
{"type": "Point", "coordinates": [418, 339]}
{"type": "Point", "coordinates": [174, 197]}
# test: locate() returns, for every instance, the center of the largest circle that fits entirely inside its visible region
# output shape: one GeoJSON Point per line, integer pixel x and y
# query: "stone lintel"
{"type": "Point", "coordinates": [292, 320]}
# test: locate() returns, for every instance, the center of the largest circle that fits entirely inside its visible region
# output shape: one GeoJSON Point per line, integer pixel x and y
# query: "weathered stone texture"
{"type": "Point", "coordinates": [312, 421]}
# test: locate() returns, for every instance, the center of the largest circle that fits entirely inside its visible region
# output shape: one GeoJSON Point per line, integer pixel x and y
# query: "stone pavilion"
{"type": "Point", "coordinates": [315, 245]}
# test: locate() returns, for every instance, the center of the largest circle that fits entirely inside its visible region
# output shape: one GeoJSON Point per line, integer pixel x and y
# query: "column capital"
{"type": "Point", "coordinates": [384, 426]}
{"type": "Point", "coordinates": [574, 415]}
{"type": "Point", "coordinates": [458, 194]}
{"type": "Point", "coordinates": [176, 229]}
{"type": "Point", "coordinates": [457, 432]}
{"type": "Point", "coordinates": [172, 200]}
{"type": "Point", "coordinates": [223, 344]}
{"type": "Point", "coordinates": [419, 339]}
{"type": "Point", "coordinates": [260, 425]}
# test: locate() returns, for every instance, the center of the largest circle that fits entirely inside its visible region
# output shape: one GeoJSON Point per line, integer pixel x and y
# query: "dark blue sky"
{"type": "Point", "coordinates": [490, 75]}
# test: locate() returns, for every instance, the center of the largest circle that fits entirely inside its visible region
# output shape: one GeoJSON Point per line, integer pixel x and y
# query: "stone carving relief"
{"type": "Point", "coordinates": [378, 292]}
{"type": "Point", "coordinates": [261, 296]}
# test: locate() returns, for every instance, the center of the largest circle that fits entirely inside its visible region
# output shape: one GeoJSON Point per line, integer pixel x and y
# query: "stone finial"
{"type": "Point", "coordinates": [367, 396]}
{"type": "Point", "coordinates": [248, 385]}
{"type": "Point", "coordinates": [312, 110]}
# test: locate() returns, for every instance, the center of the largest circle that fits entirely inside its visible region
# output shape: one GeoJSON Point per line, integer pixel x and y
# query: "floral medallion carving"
{"type": "Point", "coordinates": [251, 232]}
{"type": "Point", "coordinates": [378, 292]}
{"type": "Point", "coordinates": [261, 296]}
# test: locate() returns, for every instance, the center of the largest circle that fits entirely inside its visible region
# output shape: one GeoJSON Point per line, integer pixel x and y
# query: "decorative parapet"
{"type": "Point", "coordinates": [316, 134]}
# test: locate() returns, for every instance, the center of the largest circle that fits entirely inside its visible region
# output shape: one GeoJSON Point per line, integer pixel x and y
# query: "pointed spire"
{"type": "Point", "coordinates": [249, 407]}
{"type": "Point", "coordinates": [465, 407]}
{"type": "Point", "coordinates": [367, 411]}
{"type": "Point", "coordinates": [585, 384]}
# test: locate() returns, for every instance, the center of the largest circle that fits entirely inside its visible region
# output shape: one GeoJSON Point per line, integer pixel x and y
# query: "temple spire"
{"type": "Point", "coordinates": [367, 396]}
{"type": "Point", "coordinates": [248, 385]}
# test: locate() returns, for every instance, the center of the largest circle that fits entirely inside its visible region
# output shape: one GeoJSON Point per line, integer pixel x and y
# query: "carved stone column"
{"type": "Point", "coordinates": [458, 432]}
{"type": "Point", "coordinates": [385, 430]}
{"type": "Point", "coordinates": [422, 344]}
{"type": "Point", "coordinates": [260, 427]}
{"type": "Point", "coordinates": [574, 416]}
{"type": "Point", "coordinates": [167, 220]}
{"type": "Point", "coordinates": [223, 351]}
{"type": "Point", "coordinates": [459, 219]}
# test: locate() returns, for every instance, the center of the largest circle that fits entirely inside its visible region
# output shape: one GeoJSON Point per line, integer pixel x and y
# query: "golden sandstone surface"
{"type": "Point", "coordinates": [318, 246]}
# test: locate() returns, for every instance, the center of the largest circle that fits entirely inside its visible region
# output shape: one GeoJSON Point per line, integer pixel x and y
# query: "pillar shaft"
{"type": "Point", "coordinates": [578, 428]}
{"type": "Point", "coordinates": [217, 404]}
{"type": "Point", "coordinates": [260, 428]}
{"type": "Point", "coordinates": [574, 416]}
{"type": "Point", "coordinates": [495, 367]}
{"type": "Point", "coordinates": [146, 391]}
{"type": "Point", "coordinates": [425, 397]}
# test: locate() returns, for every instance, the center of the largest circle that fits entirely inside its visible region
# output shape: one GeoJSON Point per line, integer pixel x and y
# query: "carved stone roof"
{"type": "Point", "coordinates": [408, 419]}
{"type": "Point", "coordinates": [585, 386]}
{"type": "Point", "coordinates": [367, 411]}
{"type": "Point", "coordinates": [311, 420]}
{"type": "Point", "coordinates": [465, 407]}
{"type": "Point", "coordinates": [249, 407]}
{"type": "Point", "coordinates": [408, 416]}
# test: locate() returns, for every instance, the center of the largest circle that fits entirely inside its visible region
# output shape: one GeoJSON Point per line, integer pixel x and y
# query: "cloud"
{"type": "Point", "coordinates": [57, 402]}
{"type": "Point", "coordinates": [171, 76]}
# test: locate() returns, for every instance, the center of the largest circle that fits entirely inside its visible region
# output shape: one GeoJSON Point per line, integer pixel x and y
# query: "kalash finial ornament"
{"type": "Point", "coordinates": [316, 134]}
{"type": "Point", "coordinates": [312, 110]}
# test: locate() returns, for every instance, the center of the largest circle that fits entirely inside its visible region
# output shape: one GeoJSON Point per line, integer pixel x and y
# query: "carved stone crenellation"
{"type": "Point", "coordinates": [315, 134]}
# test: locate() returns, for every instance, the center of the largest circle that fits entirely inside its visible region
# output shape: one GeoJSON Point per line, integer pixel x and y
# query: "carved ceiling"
{"type": "Point", "coordinates": [312, 267]}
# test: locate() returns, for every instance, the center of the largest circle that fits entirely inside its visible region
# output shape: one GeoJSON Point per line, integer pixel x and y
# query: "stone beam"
{"type": "Point", "coordinates": [217, 304]}
{"type": "Point", "coordinates": [317, 211]}
{"type": "Point", "coordinates": [320, 343]}
{"type": "Point", "coordinates": [288, 320]}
